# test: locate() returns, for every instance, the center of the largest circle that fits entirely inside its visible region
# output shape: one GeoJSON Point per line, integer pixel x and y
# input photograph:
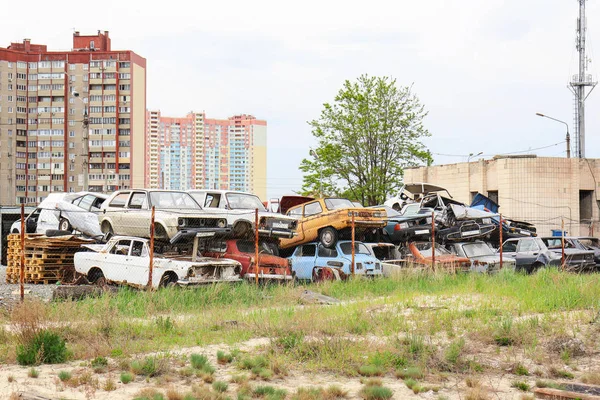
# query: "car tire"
{"type": "Point", "coordinates": [65, 225]}
{"type": "Point", "coordinates": [57, 232]}
{"type": "Point", "coordinates": [96, 276]}
{"type": "Point", "coordinates": [167, 281]}
{"type": "Point", "coordinates": [107, 229]}
{"type": "Point", "coordinates": [534, 267]}
{"type": "Point", "coordinates": [328, 237]}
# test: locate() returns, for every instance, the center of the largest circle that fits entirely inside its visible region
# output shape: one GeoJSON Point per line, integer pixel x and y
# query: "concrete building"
{"type": "Point", "coordinates": [197, 152]}
{"type": "Point", "coordinates": [540, 190]}
{"type": "Point", "coordinates": [44, 144]}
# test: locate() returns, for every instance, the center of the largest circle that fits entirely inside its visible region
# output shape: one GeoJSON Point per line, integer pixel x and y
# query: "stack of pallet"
{"type": "Point", "coordinates": [47, 259]}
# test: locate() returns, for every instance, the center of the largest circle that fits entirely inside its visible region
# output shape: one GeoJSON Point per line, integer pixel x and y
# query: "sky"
{"type": "Point", "coordinates": [481, 68]}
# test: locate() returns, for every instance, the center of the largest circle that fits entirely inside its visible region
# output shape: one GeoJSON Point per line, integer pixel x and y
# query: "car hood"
{"type": "Point", "coordinates": [269, 214]}
{"type": "Point", "coordinates": [288, 202]}
{"type": "Point", "coordinates": [491, 259]}
{"type": "Point", "coordinates": [464, 212]}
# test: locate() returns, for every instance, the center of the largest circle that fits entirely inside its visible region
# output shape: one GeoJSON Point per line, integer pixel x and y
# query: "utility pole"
{"type": "Point", "coordinates": [579, 84]}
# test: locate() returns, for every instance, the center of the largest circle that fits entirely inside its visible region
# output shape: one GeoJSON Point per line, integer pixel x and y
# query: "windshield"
{"type": "Point", "coordinates": [173, 200]}
{"type": "Point", "coordinates": [425, 249]}
{"type": "Point", "coordinates": [477, 249]}
{"type": "Point", "coordinates": [359, 248]}
{"type": "Point", "coordinates": [589, 242]}
{"type": "Point", "coordinates": [384, 252]}
{"type": "Point", "coordinates": [247, 246]}
{"type": "Point", "coordinates": [244, 201]}
{"type": "Point", "coordinates": [336, 204]}
{"type": "Point", "coordinates": [390, 212]}
{"type": "Point", "coordinates": [410, 210]}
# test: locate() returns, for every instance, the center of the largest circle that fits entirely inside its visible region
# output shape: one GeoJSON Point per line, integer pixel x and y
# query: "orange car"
{"type": "Point", "coordinates": [328, 219]}
{"type": "Point", "coordinates": [420, 254]}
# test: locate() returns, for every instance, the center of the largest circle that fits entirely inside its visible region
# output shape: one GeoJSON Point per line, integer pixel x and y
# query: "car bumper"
{"type": "Point", "coordinates": [280, 233]}
{"type": "Point", "coordinates": [185, 234]}
{"type": "Point", "coordinates": [275, 277]}
{"type": "Point", "coordinates": [202, 281]}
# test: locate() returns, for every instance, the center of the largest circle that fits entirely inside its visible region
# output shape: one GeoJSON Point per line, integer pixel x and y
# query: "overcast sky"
{"type": "Point", "coordinates": [481, 68]}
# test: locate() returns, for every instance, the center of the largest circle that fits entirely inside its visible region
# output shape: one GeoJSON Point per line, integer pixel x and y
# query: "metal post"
{"type": "Point", "coordinates": [353, 239]}
{"type": "Point", "coordinates": [22, 272]}
{"type": "Point", "coordinates": [568, 144]}
{"type": "Point", "coordinates": [433, 240]}
{"type": "Point", "coordinates": [256, 263]}
{"type": "Point", "coordinates": [151, 248]}
{"type": "Point", "coordinates": [562, 242]}
{"type": "Point", "coordinates": [500, 233]}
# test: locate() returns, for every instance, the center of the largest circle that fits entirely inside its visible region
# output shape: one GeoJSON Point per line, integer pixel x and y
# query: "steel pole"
{"type": "Point", "coordinates": [562, 242]}
{"type": "Point", "coordinates": [256, 263]}
{"type": "Point", "coordinates": [151, 248]}
{"type": "Point", "coordinates": [500, 233]}
{"type": "Point", "coordinates": [22, 269]}
{"type": "Point", "coordinates": [433, 240]}
{"type": "Point", "coordinates": [353, 238]}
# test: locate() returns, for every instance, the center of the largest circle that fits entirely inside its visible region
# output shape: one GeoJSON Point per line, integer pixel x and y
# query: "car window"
{"type": "Point", "coordinates": [247, 246]}
{"type": "Point", "coordinates": [162, 200]}
{"type": "Point", "coordinates": [213, 200]}
{"type": "Point", "coordinates": [510, 246]}
{"type": "Point", "coordinates": [86, 202]}
{"type": "Point", "coordinates": [477, 249]}
{"type": "Point", "coordinates": [138, 200]}
{"type": "Point", "coordinates": [312, 209]}
{"type": "Point", "coordinates": [308, 250]}
{"type": "Point", "coordinates": [295, 211]}
{"type": "Point", "coordinates": [336, 204]}
{"type": "Point", "coordinates": [244, 201]}
{"type": "Point", "coordinates": [138, 249]}
{"type": "Point", "coordinates": [119, 200]}
{"type": "Point", "coordinates": [121, 247]}
{"type": "Point", "coordinates": [76, 200]}
{"type": "Point", "coordinates": [359, 248]}
{"type": "Point", "coordinates": [325, 252]}
{"type": "Point", "coordinates": [97, 203]}
{"type": "Point", "coordinates": [527, 245]}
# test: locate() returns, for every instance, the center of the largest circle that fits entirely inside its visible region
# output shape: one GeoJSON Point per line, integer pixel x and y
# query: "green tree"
{"type": "Point", "coordinates": [366, 137]}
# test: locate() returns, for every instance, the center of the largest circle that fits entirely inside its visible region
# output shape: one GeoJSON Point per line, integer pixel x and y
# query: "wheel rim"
{"type": "Point", "coordinates": [64, 225]}
{"type": "Point", "coordinates": [327, 237]}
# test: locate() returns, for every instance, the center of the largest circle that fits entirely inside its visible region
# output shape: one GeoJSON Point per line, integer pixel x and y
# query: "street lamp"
{"type": "Point", "coordinates": [473, 155]}
{"type": "Point", "coordinates": [316, 157]}
{"type": "Point", "coordinates": [568, 138]}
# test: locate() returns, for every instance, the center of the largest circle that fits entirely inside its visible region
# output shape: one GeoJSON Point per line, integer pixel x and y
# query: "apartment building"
{"type": "Point", "coordinates": [546, 191]}
{"type": "Point", "coordinates": [198, 152]}
{"type": "Point", "coordinates": [70, 120]}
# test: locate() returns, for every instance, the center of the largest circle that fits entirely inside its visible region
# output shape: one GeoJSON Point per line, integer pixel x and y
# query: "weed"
{"type": "Point", "coordinates": [503, 333]}
{"type": "Point", "coordinates": [126, 377]}
{"type": "Point", "coordinates": [109, 385]}
{"type": "Point", "coordinates": [253, 362]}
{"type": "Point", "coordinates": [220, 386]}
{"type": "Point", "coordinates": [10, 379]}
{"type": "Point", "coordinates": [560, 373]}
{"type": "Point", "coordinates": [64, 376]}
{"type": "Point", "coordinates": [198, 360]}
{"type": "Point", "coordinates": [269, 392]}
{"type": "Point", "coordinates": [416, 345]}
{"type": "Point", "coordinates": [290, 340]}
{"type": "Point", "coordinates": [99, 362]}
{"type": "Point", "coordinates": [151, 366]}
{"type": "Point", "coordinates": [164, 324]}
{"type": "Point", "coordinates": [454, 351]}
{"type": "Point", "coordinates": [45, 347]}
{"type": "Point", "coordinates": [521, 385]}
{"type": "Point", "coordinates": [376, 392]}
{"type": "Point", "coordinates": [410, 383]}
{"type": "Point", "coordinates": [519, 369]}
{"type": "Point", "coordinates": [173, 394]}
{"type": "Point", "coordinates": [411, 372]}
{"type": "Point", "coordinates": [224, 358]}
{"type": "Point", "coordinates": [149, 394]}
{"type": "Point", "coordinates": [547, 384]}
{"type": "Point", "coordinates": [319, 393]}
{"type": "Point", "coordinates": [370, 370]}
{"type": "Point", "coordinates": [591, 377]}
{"type": "Point", "coordinates": [33, 373]}
{"type": "Point", "coordinates": [239, 378]}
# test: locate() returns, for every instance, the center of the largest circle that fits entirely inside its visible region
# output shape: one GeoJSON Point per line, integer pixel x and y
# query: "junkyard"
{"type": "Point", "coordinates": [435, 307]}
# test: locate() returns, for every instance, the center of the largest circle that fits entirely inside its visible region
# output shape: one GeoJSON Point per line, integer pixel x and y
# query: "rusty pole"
{"type": "Point", "coordinates": [151, 248]}
{"type": "Point", "coordinates": [432, 240]}
{"type": "Point", "coordinates": [500, 233]}
{"type": "Point", "coordinates": [353, 239]}
{"type": "Point", "coordinates": [256, 264]}
{"type": "Point", "coordinates": [562, 243]}
{"type": "Point", "coordinates": [22, 271]}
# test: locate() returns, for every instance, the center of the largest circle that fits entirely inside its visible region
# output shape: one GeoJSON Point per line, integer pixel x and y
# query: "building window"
{"type": "Point", "coordinates": [72, 67]}
{"type": "Point", "coordinates": [586, 201]}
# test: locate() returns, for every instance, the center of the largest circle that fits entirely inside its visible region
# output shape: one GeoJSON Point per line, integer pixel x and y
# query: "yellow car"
{"type": "Point", "coordinates": [327, 219]}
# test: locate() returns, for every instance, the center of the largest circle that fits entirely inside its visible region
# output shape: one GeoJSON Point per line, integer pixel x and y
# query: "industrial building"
{"type": "Point", "coordinates": [70, 120]}
{"type": "Point", "coordinates": [195, 152]}
{"type": "Point", "coordinates": [542, 190]}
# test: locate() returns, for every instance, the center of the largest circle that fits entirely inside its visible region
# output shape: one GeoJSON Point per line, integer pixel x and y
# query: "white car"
{"type": "Point", "coordinates": [66, 212]}
{"type": "Point", "coordinates": [240, 210]}
{"type": "Point", "coordinates": [126, 260]}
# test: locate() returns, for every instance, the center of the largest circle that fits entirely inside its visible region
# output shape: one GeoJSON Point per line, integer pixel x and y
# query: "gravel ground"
{"type": "Point", "coordinates": [10, 293]}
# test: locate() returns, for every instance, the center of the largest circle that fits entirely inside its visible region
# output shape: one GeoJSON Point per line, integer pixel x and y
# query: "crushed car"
{"type": "Point", "coordinates": [409, 226]}
{"type": "Point", "coordinates": [178, 217]}
{"type": "Point", "coordinates": [483, 257]}
{"type": "Point", "coordinates": [271, 267]}
{"type": "Point", "coordinates": [390, 257]}
{"type": "Point", "coordinates": [330, 219]}
{"type": "Point", "coordinates": [577, 257]}
{"type": "Point", "coordinates": [591, 243]}
{"type": "Point", "coordinates": [239, 209]}
{"type": "Point", "coordinates": [420, 255]}
{"type": "Point", "coordinates": [315, 262]}
{"type": "Point", "coordinates": [530, 254]}
{"type": "Point", "coordinates": [125, 260]}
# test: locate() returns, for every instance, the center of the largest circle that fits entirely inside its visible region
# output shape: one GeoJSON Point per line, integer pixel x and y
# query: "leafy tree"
{"type": "Point", "coordinates": [366, 137]}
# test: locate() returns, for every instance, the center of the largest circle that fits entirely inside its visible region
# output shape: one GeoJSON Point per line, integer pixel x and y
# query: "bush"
{"type": "Point", "coordinates": [376, 392]}
{"type": "Point", "coordinates": [151, 366]}
{"type": "Point", "coordinates": [126, 377]}
{"type": "Point", "coordinates": [220, 386]}
{"type": "Point", "coordinates": [523, 386]}
{"type": "Point", "coordinates": [64, 376]}
{"type": "Point", "coordinates": [224, 358]}
{"type": "Point", "coordinates": [370, 370]}
{"type": "Point", "coordinates": [198, 360]}
{"type": "Point", "coordinates": [45, 347]}
{"type": "Point", "coordinates": [33, 373]}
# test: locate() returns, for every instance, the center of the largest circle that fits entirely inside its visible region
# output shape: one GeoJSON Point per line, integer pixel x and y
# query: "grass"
{"type": "Point", "coordinates": [521, 385]}
{"type": "Point", "coordinates": [424, 324]}
{"type": "Point", "coordinates": [126, 378]}
{"type": "Point", "coordinates": [33, 373]}
{"type": "Point", "coordinates": [64, 376]}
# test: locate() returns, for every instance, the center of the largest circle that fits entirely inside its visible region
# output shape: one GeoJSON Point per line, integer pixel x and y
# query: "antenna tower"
{"type": "Point", "coordinates": [579, 83]}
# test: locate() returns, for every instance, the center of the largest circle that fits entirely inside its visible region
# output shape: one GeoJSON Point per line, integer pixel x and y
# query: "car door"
{"type": "Point", "coordinates": [138, 214]}
{"type": "Point", "coordinates": [138, 264]}
{"type": "Point", "coordinates": [114, 263]}
{"type": "Point", "coordinates": [114, 213]}
{"type": "Point", "coordinates": [312, 220]}
{"type": "Point", "coordinates": [299, 238]}
{"type": "Point", "coordinates": [303, 261]}
{"type": "Point", "coordinates": [509, 248]}
{"type": "Point", "coordinates": [327, 257]}
{"type": "Point", "coordinates": [527, 251]}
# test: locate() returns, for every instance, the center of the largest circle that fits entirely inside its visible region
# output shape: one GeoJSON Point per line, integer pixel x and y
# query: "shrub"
{"type": "Point", "coordinates": [523, 386]}
{"type": "Point", "coordinates": [270, 392]}
{"type": "Point", "coordinates": [376, 392]}
{"type": "Point", "coordinates": [45, 347]}
{"type": "Point", "coordinates": [151, 366]}
{"type": "Point", "coordinates": [198, 360]}
{"type": "Point", "coordinates": [33, 373]}
{"type": "Point", "coordinates": [109, 385]}
{"type": "Point", "coordinates": [411, 372]}
{"type": "Point", "coordinates": [220, 386]}
{"type": "Point", "coordinates": [64, 376]}
{"type": "Point", "coordinates": [126, 377]}
{"type": "Point", "coordinates": [224, 358]}
{"type": "Point", "coordinates": [521, 370]}
{"type": "Point", "coordinates": [99, 362]}
{"type": "Point", "coordinates": [370, 370]}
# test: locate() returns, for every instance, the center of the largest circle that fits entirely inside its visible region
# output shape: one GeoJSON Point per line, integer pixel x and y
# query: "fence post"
{"type": "Point", "coordinates": [433, 240]}
{"type": "Point", "coordinates": [256, 264]}
{"type": "Point", "coordinates": [353, 239]}
{"type": "Point", "coordinates": [500, 233]}
{"type": "Point", "coordinates": [151, 248]}
{"type": "Point", "coordinates": [562, 243]}
{"type": "Point", "coordinates": [22, 269]}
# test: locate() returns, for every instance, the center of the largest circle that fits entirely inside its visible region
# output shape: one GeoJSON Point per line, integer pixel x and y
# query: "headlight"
{"type": "Point", "coordinates": [181, 221]}
{"type": "Point", "coordinates": [487, 221]}
{"type": "Point", "coordinates": [428, 220]}
{"type": "Point", "coordinates": [404, 225]}
{"type": "Point", "coordinates": [222, 223]}
{"type": "Point", "coordinates": [377, 214]}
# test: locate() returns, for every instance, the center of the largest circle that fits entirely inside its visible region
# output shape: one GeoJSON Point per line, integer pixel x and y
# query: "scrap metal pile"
{"type": "Point", "coordinates": [147, 237]}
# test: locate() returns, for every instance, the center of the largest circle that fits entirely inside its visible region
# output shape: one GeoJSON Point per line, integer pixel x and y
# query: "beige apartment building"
{"type": "Point", "coordinates": [70, 120]}
{"type": "Point", "coordinates": [542, 190]}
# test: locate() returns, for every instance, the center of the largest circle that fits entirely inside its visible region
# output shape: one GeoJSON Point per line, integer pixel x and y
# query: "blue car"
{"type": "Point", "coordinates": [314, 262]}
